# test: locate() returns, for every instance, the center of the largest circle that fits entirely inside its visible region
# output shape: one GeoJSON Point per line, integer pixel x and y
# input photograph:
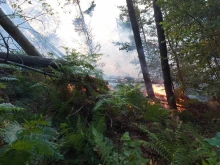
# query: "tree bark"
{"type": "Point", "coordinates": [163, 55]}
{"type": "Point", "coordinates": [31, 61]}
{"type": "Point", "coordinates": [17, 35]}
{"type": "Point", "coordinates": [140, 50]}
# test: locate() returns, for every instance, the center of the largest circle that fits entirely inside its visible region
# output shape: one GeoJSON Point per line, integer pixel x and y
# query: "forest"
{"type": "Point", "coordinates": [58, 105]}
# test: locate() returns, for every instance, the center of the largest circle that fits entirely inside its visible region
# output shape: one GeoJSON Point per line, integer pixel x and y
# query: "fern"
{"type": "Point", "coordinates": [10, 131]}
{"type": "Point", "coordinates": [99, 122]}
{"type": "Point", "coordinates": [127, 154]}
{"type": "Point", "coordinates": [74, 137]}
{"type": "Point", "coordinates": [127, 99]}
{"type": "Point", "coordinates": [154, 112]}
{"type": "Point", "coordinates": [7, 107]}
{"type": "Point", "coordinates": [178, 147]}
{"type": "Point", "coordinates": [35, 139]}
{"type": "Point", "coordinates": [9, 79]}
{"type": "Point", "coordinates": [120, 99]}
{"type": "Point", "coordinates": [105, 149]}
{"type": "Point", "coordinates": [39, 84]}
{"type": "Point", "coordinates": [77, 141]}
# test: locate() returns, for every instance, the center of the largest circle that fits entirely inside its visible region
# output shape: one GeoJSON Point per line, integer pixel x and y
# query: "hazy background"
{"type": "Point", "coordinates": [58, 30]}
{"type": "Point", "coordinates": [105, 31]}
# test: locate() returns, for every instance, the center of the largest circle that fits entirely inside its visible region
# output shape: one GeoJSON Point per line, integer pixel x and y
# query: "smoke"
{"type": "Point", "coordinates": [104, 29]}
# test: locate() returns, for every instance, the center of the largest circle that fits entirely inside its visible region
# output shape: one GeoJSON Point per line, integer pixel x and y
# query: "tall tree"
{"type": "Point", "coordinates": [81, 26]}
{"type": "Point", "coordinates": [163, 55]}
{"type": "Point", "coordinates": [17, 35]}
{"type": "Point", "coordinates": [140, 50]}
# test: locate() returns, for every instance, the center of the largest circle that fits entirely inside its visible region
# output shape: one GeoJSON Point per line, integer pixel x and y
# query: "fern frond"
{"type": "Point", "coordinates": [39, 84]}
{"type": "Point", "coordinates": [99, 123]}
{"type": "Point", "coordinates": [5, 107]}
{"type": "Point", "coordinates": [9, 79]}
{"type": "Point", "coordinates": [10, 132]}
{"type": "Point", "coordinates": [35, 139]}
{"type": "Point", "coordinates": [6, 66]}
{"type": "Point", "coordinates": [154, 112]}
{"type": "Point", "coordinates": [177, 146]}
{"type": "Point", "coordinates": [37, 146]}
{"type": "Point", "coordinates": [105, 148]}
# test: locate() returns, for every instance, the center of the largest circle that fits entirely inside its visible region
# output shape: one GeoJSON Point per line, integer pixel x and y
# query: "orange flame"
{"type": "Point", "coordinates": [159, 89]}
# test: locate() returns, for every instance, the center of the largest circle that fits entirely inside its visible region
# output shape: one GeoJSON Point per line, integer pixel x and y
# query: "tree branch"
{"type": "Point", "coordinates": [27, 67]}
{"type": "Point", "coordinates": [17, 35]}
{"type": "Point", "coordinates": [32, 61]}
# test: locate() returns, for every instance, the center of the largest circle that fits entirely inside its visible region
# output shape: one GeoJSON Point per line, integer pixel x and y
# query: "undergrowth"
{"type": "Point", "coordinates": [73, 118]}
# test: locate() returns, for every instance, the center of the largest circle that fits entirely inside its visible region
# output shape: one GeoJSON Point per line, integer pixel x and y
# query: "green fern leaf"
{"type": "Point", "coordinates": [5, 107]}
{"type": "Point", "coordinates": [10, 132]}
{"type": "Point", "coordinates": [9, 79]}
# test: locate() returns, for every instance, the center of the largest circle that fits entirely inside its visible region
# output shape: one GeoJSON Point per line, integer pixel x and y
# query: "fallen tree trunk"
{"type": "Point", "coordinates": [17, 35]}
{"type": "Point", "coordinates": [31, 61]}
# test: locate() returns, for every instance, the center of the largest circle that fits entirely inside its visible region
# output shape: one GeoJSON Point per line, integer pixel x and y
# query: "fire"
{"type": "Point", "coordinates": [159, 89]}
{"type": "Point", "coordinates": [84, 89]}
{"type": "Point", "coordinates": [161, 95]}
{"type": "Point", "coordinates": [152, 102]}
{"type": "Point", "coordinates": [180, 107]}
{"type": "Point", "coordinates": [70, 87]}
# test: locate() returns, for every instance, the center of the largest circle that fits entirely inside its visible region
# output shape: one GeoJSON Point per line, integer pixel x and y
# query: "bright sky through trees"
{"type": "Point", "coordinates": [104, 29]}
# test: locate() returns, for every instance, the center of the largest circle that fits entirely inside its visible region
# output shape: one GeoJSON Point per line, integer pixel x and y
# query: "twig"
{"type": "Point", "coordinates": [75, 111]}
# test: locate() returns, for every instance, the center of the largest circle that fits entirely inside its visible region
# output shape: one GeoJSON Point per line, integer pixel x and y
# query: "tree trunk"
{"type": "Point", "coordinates": [163, 55]}
{"type": "Point", "coordinates": [85, 30]}
{"type": "Point", "coordinates": [140, 50]}
{"type": "Point", "coordinates": [31, 61]}
{"type": "Point", "coordinates": [17, 35]}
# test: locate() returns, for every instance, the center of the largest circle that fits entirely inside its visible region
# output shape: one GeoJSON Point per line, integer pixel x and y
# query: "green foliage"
{"type": "Point", "coordinates": [7, 107]}
{"type": "Point", "coordinates": [10, 113]}
{"type": "Point", "coordinates": [202, 115]}
{"type": "Point", "coordinates": [177, 146]}
{"type": "Point", "coordinates": [192, 29]}
{"type": "Point", "coordinates": [129, 101]}
{"type": "Point", "coordinates": [9, 79]}
{"type": "Point", "coordinates": [2, 86]}
{"type": "Point", "coordinates": [215, 154]}
{"type": "Point", "coordinates": [73, 119]}
{"type": "Point", "coordinates": [215, 142]}
{"type": "Point", "coordinates": [33, 142]}
{"type": "Point", "coordinates": [129, 153]}
{"type": "Point", "coordinates": [77, 142]}
{"type": "Point", "coordinates": [154, 113]}
{"type": "Point", "coordinates": [10, 131]}
{"type": "Point", "coordinates": [80, 64]}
